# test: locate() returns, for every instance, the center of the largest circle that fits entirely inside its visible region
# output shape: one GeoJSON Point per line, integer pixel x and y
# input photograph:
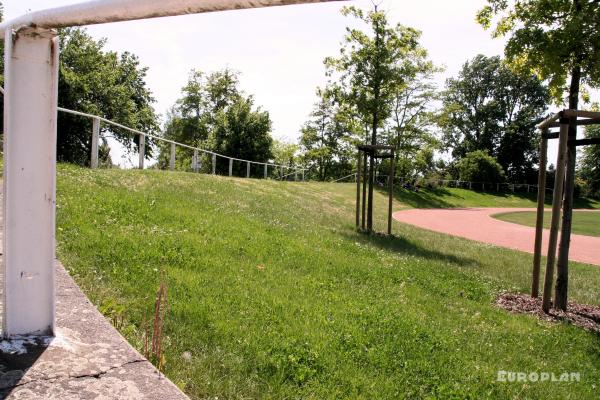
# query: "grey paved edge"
{"type": "Point", "coordinates": [87, 358]}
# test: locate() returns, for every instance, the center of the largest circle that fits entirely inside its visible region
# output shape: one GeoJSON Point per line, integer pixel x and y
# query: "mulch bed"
{"type": "Point", "coordinates": [582, 315]}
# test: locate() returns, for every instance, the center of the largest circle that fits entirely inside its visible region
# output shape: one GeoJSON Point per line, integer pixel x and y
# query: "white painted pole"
{"type": "Point", "coordinates": [30, 107]}
{"type": "Point", "coordinates": [142, 152]}
{"type": "Point", "coordinates": [214, 164]}
{"type": "Point", "coordinates": [95, 137]}
{"type": "Point", "coordinates": [230, 166]}
{"type": "Point", "coordinates": [247, 169]}
{"type": "Point", "coordinates": [266, 167]}
{"type": "Point", "coordinates": [303, 175]}
{"type": "Point", "coordinates": [195, 161]}
{"type": "Point", "coordinates": [295, 175]}
{"type": "Point", "coordinates": [104, 11]}
{"type": "Point", "coordinates": [172, 160]}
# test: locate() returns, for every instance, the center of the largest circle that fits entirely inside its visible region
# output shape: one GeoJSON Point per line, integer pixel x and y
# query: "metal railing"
{"type": "Point", "coordinates": [31, 48]}
{"type": "Point", "coordinates": [296, 172]}
{"type": "Point", "coordinates": [457, 183]}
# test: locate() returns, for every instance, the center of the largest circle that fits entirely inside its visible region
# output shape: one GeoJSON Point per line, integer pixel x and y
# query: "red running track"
{"type": "Point", "coordinates": [478, 224]}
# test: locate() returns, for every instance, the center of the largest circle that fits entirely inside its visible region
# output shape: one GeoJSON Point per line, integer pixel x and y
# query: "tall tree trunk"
{"type": "Point", "coordinates": [375, 124]}
{"type": "Point", "coordinates": [562, 266]}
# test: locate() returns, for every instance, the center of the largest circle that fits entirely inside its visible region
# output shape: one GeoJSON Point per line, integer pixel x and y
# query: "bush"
{"type": "Point", "coordinates": [479, 166]}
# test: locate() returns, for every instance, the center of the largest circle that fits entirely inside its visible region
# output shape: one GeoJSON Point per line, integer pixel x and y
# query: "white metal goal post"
{"type": "Point", "coordinates": [30, 113]}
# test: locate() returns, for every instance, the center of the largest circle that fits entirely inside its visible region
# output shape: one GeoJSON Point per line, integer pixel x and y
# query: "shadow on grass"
{"type": "Point", "coordinates": [428, 198]}
{"type": "Point", "coordinates": [398, 244]}
{"type": "Point", "coordinates": [441, 198]}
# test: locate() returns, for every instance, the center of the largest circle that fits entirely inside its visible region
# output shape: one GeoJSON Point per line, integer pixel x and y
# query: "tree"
{"type": "Point", "coordinates": [369, 65]}
{"type": "Point", "coordinates": [590, 164]}
{"type": "Point", "coordinates": [100, 83]}
{"type": "Point", "coordinates": [409, 128]}
{"type": "Point", "coordinates": [284, 153]}
{"type": "Point", "coordinates": [479, 166]}
{"type": "Point", "coordinates": [326, 137]}
{"type": "Point", "coordinates": [490, 107]}
{"type": "Point", "coordinates": [214, 114]}
{"type": "Point", "coordinates": [243, 132]}
{"type": "Point", "coordinates": [555, 39]}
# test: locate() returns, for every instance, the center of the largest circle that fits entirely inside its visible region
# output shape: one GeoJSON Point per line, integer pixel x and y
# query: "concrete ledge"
{"type": "Point", "coordinates": [87, 359]}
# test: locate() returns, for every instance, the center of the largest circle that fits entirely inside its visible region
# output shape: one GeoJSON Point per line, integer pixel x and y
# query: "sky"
{"type": "Point", "coordinates": [278, 51]}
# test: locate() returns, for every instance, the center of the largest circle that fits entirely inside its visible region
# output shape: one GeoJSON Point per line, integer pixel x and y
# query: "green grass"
{"type": "Point", "coordinates": [452, 197]}
{"type": "Point", "coordinates": [277, 297]}
{"type": "Point", "coordinates": [584, 223]}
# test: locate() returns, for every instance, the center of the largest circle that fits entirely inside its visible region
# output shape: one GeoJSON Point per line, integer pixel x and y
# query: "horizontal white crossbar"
{"type": "Point", "coordinates": [104, 11]}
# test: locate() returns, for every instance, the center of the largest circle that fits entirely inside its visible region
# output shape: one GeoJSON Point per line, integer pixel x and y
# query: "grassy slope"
{"type": "Point", "coordinates": [584, 223]}
{"type": "Point", "coordinates": [452, 197]}
{"type": "Point", "coordinates": [276, 296]}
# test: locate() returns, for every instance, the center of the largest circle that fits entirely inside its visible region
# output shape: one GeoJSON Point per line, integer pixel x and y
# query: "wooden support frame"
{"type": "Point", "coordinates": [539, 223]}
{"type": "Point", "coordinates": [562, 202]}
{"type": "Point", "coordinates": [364, 211]}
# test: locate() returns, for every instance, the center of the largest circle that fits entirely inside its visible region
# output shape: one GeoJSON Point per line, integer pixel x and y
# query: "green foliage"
{"type": "Point", "coordinates": [326, 138]}
{"type": "Point", "coordinates": [215, 115]}
{"type": "Point", "coordinates": [101, 83]}
{"type": "Point", "coordinates": [490, 107]}
{"type": "Point", "coordinates": [590, 164]}
{"type": "Point", "coordinates": [372, 65]}
{"type": "Point", "coordinates": [285, 153]}
{"type": "Point", "coordinates": [552, 38]}
{"type": "Point", "coordinates": [479, 166]}
{"type": "Point", "coordinates": [410, 127]}
{"type": "Point", "coordinates": [380, 91]}
{"type": "Point", "coordinates": [275, 295]}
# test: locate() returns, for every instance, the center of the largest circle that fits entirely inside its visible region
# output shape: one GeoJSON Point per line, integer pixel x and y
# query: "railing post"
{"type": "Point", "coordinates": [172, 160]}
{"type": "Point", "coordinates": [247, 169]}
{"type": "Point", "coordinates": [95, 137]}
{"type": "Point", "coordinates": [195, 161]}
{"type": "Point", "coordinates": [214, 164]}
{"type": "Point", "coordinates": [302, 174]}
{"type": "Point", "coordinates": [230, 166]}
{"type": "Point", "coordinates": [266, 167]}
{"type": "Point", "coordinates": [142, 151]}
{"type": "Point", "coordinates": [295, 175]}
{"type": "Point", "coordinates": [30, 101]}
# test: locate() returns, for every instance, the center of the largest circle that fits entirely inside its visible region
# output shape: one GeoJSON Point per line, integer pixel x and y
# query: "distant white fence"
{"type": "Point", "coordinates": [282, 171]}
{"type": "Point", "coordinates": [483, 186]}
